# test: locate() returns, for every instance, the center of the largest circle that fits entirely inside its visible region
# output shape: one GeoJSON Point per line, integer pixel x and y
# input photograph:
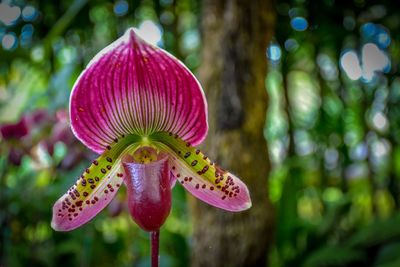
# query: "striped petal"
{"type": "Point", "coordinates": [94, 189]}
{"type": "Point", "coordinates": [201, 177]}
{"type": "Point", "coordinates": [132, 87]}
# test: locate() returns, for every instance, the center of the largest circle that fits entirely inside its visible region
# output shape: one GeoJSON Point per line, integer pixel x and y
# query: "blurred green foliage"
{"type": "Point", "coordinates": [332, 127]}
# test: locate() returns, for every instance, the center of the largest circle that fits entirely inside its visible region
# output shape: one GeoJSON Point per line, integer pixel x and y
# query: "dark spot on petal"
{"type": "Point", "coordinates": [72, 195]}
{"type": "Point", "coordinates": [204, 170]}
{"type": "Point", "coordinates": [76, 193]}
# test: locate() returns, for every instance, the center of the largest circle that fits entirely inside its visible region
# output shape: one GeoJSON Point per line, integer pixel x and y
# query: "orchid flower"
{"type": "Point", "coordinates": [143, 111]}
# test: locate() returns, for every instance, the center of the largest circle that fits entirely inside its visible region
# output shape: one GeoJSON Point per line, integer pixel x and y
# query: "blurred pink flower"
{"type": "Point", "coordinates": [14, 130]}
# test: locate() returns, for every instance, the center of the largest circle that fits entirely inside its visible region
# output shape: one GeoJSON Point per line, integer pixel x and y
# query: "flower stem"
{"type": "Point", "coordinates": [155, 240]}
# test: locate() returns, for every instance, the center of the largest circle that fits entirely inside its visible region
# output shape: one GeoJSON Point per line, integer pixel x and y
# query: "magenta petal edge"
{"type": "Point", "coordinates": [132, 87]}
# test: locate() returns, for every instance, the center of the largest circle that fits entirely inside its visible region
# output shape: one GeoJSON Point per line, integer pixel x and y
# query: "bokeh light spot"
{"type": "Point", "coordinates": [9, 14]}
{"type": "Point", "coordinates": [380, 121]}
{"type": "Point", "coordinates": [380, 148]}
{"type": "Point", "coordinates": [167, 17]}
{"type": "Point", "coordinates": [9, 41]}
{"type": "Point", "coordinates": [150, 32]}
{"type": "Point", "coordinates": [373, 59]}
{"type": "Point", "coordinates": [331, 157]}
{"type": "Point", "coordinates": [291, 45]}
{"type": "Point", "coordinates": [121, 8]}
{"type": "Point", "coordinates": [359, 152]}
{"type": "Point", "coordinates": [299, 23]}
{"type": "Point", "coordinates": [376, 33]}
{"type": "Point", "coordinates": [368, 30]}
{"type": "Point", "coordinates": [29, 13]}
{"type": "Point", "coordinates": [26, 35]}
{"type": "Point", "coordinates": [350, 63]}
{"type": "Point", "coordinates": [274, 52]}
{"type": "Point", "coordinates": [328, 68]}
{"type": "Point", "coordinates": [191, 39]}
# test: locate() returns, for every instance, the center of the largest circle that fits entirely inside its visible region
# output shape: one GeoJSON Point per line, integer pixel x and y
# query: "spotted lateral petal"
{"type": "Point", "coordinates": [132, 87]}
{"type": "Point", "coordinates": [203, 178]}
{"type": "Point", "coordinates": [94, 189]}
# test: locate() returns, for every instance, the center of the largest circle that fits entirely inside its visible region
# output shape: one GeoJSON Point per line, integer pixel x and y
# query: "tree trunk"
{"type": "Point", "coordinates": [235, 36]}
